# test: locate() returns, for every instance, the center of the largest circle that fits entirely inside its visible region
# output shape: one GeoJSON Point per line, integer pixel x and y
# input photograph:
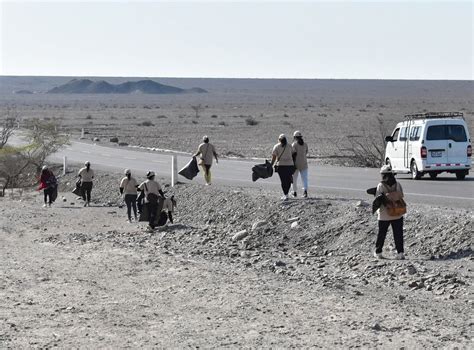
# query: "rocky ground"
{"type": "Point", "coordinates": [237, 268]}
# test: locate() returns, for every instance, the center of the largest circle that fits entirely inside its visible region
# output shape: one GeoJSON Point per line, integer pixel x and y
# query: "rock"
{"type": "Point", "coordinates": [376, 326]}
{"type": "Point", "coordinates": [413, 284]}
{"type": "Point", "coordinates": [240, 235]}
{"type": "Point", "coordinates": [72, 203]}
{"type": "Point", "coordinates": [64, 199]}
{"type": "Point", "coordinates": [258, 224]}
{"type": "Point", "coordinates": [114, 139]}
{"type": "Point", "coordinates": [411, 270]}
{"type": "Point", "coordinates": [362, 204]}
{"type": "Point", "coordinates": [401, 297]}
{"type": "Point", "coordinates": [294, 224]}
{"type": "Point", "coordinates": [96, 139]}
{"type": "Point", "coordinates": [293, 219]}
{"type": "Point", "coordinates": [123, 144]}
{"type": "Point", "coordinates": [279, 263]}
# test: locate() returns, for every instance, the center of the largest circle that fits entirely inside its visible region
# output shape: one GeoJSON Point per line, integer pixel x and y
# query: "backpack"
{"type": "Point", "coordinates": [395, 207]}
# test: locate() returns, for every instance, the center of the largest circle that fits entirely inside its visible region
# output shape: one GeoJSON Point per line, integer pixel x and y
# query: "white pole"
{"type": "Point", "coordinates": [82, 133]}
{"type": "Point", "coordinates": [174, 170]}
{"type": "Point", "coordinates": [64, 165]}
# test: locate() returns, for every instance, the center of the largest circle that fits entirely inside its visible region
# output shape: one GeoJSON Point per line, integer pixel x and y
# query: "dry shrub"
{"type": "Point", "coordinates": [251, 121]}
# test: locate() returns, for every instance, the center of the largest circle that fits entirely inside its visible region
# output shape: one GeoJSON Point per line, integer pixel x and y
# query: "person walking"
{"type": "Point", "coordinates": [282, 158]}
{"type": "Point", "coordinates": [207, 152]}
{"type": "Point", "coordinates": [128, 188]}
{"type": "Point", "coordinates": [48, 184]}
{"type": "Point", "coordinates": [153, 192]}
{"type": "Point", "coordinates": [301, 163]}
{"type": "Point", "coordinates": [86, 174]}
{"type": "Point", "coordinates": [392, 192]}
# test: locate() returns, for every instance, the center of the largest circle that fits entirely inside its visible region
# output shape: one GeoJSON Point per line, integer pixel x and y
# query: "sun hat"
{"type": "Point", "coordinates": [386, 169]}
{"type": "Point", "coordinates": [45, 167]}
{"type": "Point", "coordinates": [87, 163]}
{"type": "Point", "coordinates": [297, 134]}
{"type": "Point", "coordinates": [127, 171]}
{"type": "Point", "coordinates": [282, 136]}
{"type": "Point", "coordinates": [205, 137]}
{"type": "Point", "coordinates": [150, 174]}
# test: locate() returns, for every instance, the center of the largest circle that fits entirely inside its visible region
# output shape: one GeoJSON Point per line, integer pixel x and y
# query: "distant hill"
{"type": "Point", "coordinates": [87, 86]}
{"type": "Point", "coordinates": [23, 92]}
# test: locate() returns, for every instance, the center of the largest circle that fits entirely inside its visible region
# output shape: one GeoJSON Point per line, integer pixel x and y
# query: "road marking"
{"type": "Point", "coordinates": [159, 161]}
{"type": "Point", "coordinates": [105, 155]}
{"type": "Point", "coordinates": [129, 158]}
{"type": "Point", "coordinates": [86, 152]}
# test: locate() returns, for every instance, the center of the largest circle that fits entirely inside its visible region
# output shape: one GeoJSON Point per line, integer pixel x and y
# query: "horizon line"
{"type": "Point", "coordinates": [234, 78]}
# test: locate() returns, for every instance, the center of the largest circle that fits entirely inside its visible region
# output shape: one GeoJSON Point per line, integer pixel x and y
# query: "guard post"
{"type": "Point", "coordinates": [174, 170]}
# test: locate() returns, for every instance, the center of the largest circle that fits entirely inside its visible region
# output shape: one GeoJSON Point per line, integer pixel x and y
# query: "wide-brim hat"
{"type": "Point", "coordinates": [297, 134]}
{"type": "Point", "coordinates": [386, 169]}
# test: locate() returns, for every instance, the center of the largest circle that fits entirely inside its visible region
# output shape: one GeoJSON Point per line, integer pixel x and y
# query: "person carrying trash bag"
{"type": "Point", "coordinates": [86, 175]}
{"type": "Point", "coordinates": [282, 158]}
{"type": "Point", "coordinates": [153, 197]}
{"type": "Point", "coordinates": [167, 211]}
{"type": "Point", "coordinates": [301, 163]}
{"type": "Point", "coordinates": [207, 152]}
{"type": "Point", "coordinates": [128, 188]}
{"type": "Point", "coordinates": [391, 208]}
{"type": "Point", "coordinates": [49, 185]}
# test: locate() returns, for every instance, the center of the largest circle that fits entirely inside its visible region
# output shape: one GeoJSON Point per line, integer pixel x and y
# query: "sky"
{"type": "Point", "coordinates": [243, 39]}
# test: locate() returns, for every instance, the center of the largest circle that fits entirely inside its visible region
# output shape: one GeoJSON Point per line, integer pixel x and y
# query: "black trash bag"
{"type": "Point", "coordinates": [190, 170]}
{"type": "Point", "coordinates": [144, 212]}
{"type": "Point", "coordinates": [262, 171]}
{"type": "Point", "coordinates": [54, 194]}
{"type": "Point", "coordinates": [77, 191]}
{"type": "Point", "coordinates": [163, 219]}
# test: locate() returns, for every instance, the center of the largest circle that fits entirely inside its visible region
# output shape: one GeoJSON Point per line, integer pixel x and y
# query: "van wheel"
{"type": "Point", "coordinates": [460, 175]}
{"type": "Point", "coordinates": [433, 175]}
{"type": "Point", "coordinates": [415, 174]}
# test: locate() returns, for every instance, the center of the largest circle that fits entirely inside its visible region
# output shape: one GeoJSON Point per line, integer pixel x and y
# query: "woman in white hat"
{"type": "Point", "coordinates": [301, 163]}
{"type": "Point", "coordinates": [282, 158]}
{"type": "Point", "coordinates": [86, 174]}
{"type": "Point", "coordinates": [128, 188]}
{"type": "Point", "coordinates": [393, 193]}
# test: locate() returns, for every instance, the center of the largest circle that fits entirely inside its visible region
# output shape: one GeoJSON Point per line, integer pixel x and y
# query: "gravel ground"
{"type": "Point", "coordinates": [300, 275]}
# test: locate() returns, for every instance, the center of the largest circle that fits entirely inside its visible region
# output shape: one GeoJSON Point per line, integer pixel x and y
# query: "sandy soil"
{"type": "Point", "coordinates": [83, 277]}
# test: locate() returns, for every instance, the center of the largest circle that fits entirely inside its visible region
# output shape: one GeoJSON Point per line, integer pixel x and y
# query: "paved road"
{"type": "Point", "coordinates": [343, 182]}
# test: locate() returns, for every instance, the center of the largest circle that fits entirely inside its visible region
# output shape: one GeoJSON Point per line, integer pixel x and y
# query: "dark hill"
{"type": "Point", "coordinates": [86, 86]}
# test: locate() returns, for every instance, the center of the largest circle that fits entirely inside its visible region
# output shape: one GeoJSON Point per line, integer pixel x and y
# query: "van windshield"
{"type": "Point", "coordinates": [446, 132]}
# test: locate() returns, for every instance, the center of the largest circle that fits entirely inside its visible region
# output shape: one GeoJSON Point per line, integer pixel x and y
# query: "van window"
{"type": "Point", "coordinates": [454, 132]}
{"type": "Point", "coordinates": [395, 134]}
{"type": "Point", "coordinates": [404, 134]}
{"type": "Point", "coordinates": [415, 133]}
{"type": "Point", "coordinates": [436, 132]}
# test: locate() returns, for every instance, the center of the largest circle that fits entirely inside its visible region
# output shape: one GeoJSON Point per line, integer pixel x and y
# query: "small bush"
{"type": "Point", "coordinates": [214, 116]}
{"type": "Point", "coordinates": [114, 139]}
{"type": "Point", "coordinates": [194, 121]}
{"type": "Point", "coordinates": [89, 116]}
{"type": "Point", "coordinates": [251, 121]}
{"type": "Point", "coordinates": [146, 123]}
{"type": "Point", "coordinates": [222, 123]}
{"type": "Point", "coordinates": [286, 115]}
{"type": "Point", "coordinates": [161, 116]}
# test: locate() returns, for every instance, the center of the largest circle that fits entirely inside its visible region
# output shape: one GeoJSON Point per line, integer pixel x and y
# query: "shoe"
{"type": "Point", "coordinates": [88, 204]}
{"type": "Point", "coordinates": [150, 229]}
{"type": "Point", "coordinates": [378, 255]}
{"type": "Point", "coordinates": [129, 221]}
{"type": "Point", "coordinates": [305, 194]}
{"type": "Point", "coordinates": [45, 205]}
{"type": "Point", "coordinates": [85, 204]}
{"type": "Point", "coordinates": [136, 219]}
{"type": "Point", "coordinates": [284, 198]}
{"type": "Point", "coordinates": [208, 184]}
{"type": "Point", "coordinates": [295, 194]}
{"type": "Point", "coordinates": [400, 256]}
{"type": "Point", "coordinates": [49, 205]}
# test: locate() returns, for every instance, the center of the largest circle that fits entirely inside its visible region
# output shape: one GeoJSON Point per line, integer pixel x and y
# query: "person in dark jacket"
{"type": "Point", "coordinates": [48, 184]}
{"type": "Point", "coordinates": [282, 158]}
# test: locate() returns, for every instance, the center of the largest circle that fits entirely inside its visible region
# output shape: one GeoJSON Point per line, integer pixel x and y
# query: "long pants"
{"type": "Point", "coordinates": [86, 188]}
{"type": "Point", "coordinates": [131, 202]}
{"type": "Point", "coordinates": [206, 169]}
{"type": "Point", "coordinates": [48, 192]}
{"type": "Point", "coordinates": [286, 177]}
{"type": "Point", "coordinates": [152, 209]}
{"type": "Point", "coordinates": [397, 228]}
{"type": "Point", "coordinates": [304, 178]}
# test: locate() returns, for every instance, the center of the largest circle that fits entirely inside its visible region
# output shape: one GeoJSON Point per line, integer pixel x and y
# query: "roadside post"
{"type": "Point", "coordinates": [82, 133]}
{"type": "Point", "coordinates": [64, 165]}
{"type": "Point", "coordinates": [174, 170]}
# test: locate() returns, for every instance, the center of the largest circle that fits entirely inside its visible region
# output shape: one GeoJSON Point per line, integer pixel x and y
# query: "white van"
{"type": "Point", "coordinates": [430, 143]}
